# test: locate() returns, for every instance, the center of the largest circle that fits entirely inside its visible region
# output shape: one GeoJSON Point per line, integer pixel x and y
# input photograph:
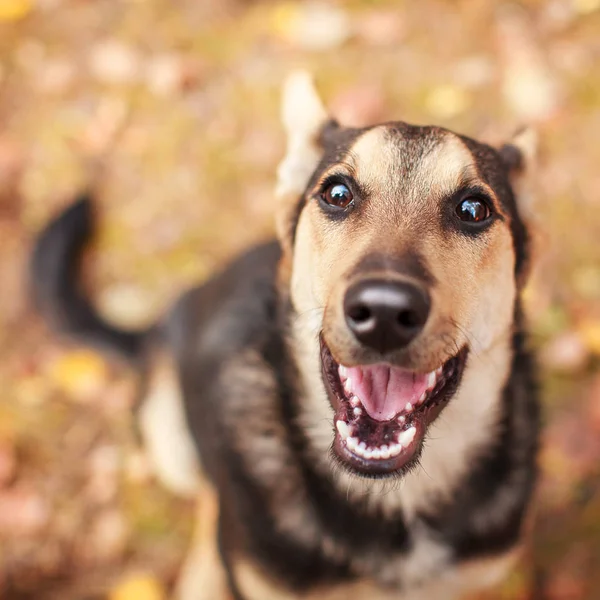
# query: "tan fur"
{"type": "Point", "coordinates": [262, 442]}
{"type": "Point", "coordinates": [164, 429]}
{"type": "Point", "coordinates": [456, 582]}
{"type": "Point", "coordinates": [303, 116]}
{"type": "Point", "coordinates": [469, 304]}
{"type": "Point", "coordinates": [399, 218]}
{"type": "Point", "coordinates": [472, 303]}
{"type": "Point", "coordinates": [203, 575]}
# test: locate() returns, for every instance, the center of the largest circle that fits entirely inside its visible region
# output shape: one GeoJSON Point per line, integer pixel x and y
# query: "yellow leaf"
{"type": "Point", "coordinates": [585, 7]}
{"type": "Point", "coordinates": [590, 333]}
{"type": "Point", "coordinates": [138, 587]}
{"type": "Point", "coordinates": [80, 373]}
{"type": "Point", "coordinates": [284, 18]}
{"type": "Point", "coordinates": [13, 10]}
{"type": "Point", "coordinates": [447, 101]}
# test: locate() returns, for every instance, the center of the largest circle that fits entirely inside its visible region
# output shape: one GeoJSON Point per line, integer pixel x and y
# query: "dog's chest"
{"type": "Point", "coordinates": [425, 558]}
{"type": "Point", "coordinates": [424, 573]}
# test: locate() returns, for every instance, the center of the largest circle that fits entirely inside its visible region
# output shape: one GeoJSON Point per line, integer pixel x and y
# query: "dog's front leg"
{"type": "Point", "coordinates": [203, 576]}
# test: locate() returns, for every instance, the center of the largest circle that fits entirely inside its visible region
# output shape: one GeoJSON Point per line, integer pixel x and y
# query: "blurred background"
{"type": "Point", "coordinates": [170, 110]}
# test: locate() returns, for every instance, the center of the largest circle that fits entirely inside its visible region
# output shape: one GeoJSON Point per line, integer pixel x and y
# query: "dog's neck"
{"type": "Point", "coordinates": [464, 431]}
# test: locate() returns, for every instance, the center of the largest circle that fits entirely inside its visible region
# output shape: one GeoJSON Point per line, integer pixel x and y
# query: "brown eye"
{"type": "Point", "coordinates": [473, 210]}
{"type": "Point", "coordinates": [338, 195]}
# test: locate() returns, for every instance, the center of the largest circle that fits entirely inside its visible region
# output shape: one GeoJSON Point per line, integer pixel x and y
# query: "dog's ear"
{"type": "Point", "coordinates": [520, 154]}
{"type": "Point", "coordinates": [303, 116]}
{"type": "Point", "coordinates": [520, 157]}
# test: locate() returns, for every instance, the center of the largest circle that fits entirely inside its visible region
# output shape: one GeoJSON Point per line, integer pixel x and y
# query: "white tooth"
{"type": "Point", "coordinates": [422, 398]}
{"type": "Point", "coordinates": [376, 454]}
{"type": "Point", "coordinates": [408, 407]}
{"type": "Point", "coordinates": [343, 429]}
{"type": "Point", "coordinates": [352, 443]}
{"type": "Point", "coordinates": [343, 371]}
{"type": "Point", "coordinates": [368, 454]}
{"type": "Point", "coordinates": [431, 378]}
{"type": "Point", "coordinates": [354, 401]}
{"type": "Point", "coordinates": [385, 452]}
{"type": "Point", "coordinates": [406, 437]}
{"type": "Point", "coordinates": [362, 446]}
{"type": "Point", "coordinates": [395, 449]}
{"type": "Point", "coordinates": [357, 411]}
{"type": "Point", "coordinates": [438, 371]}
{"type": "Point", "coordinates": [348, 386]}
{"type": "Point", "coordinates": [402, 419]}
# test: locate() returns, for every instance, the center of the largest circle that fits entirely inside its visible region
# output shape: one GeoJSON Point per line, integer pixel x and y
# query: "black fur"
{"type": "Point", "coordinates": [506, 475]}
{"type": "Point", "coordinates": [494, 167]}
{"type": "Point", "coordinates": [55, 287]}
{"type": "Point", "coordinates": [240, 313]}
{"type": "Point", "coordinates": [250, 311]}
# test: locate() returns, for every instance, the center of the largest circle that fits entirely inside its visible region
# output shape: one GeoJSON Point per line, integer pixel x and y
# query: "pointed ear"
{"type": "Point", "coordinates": [303, 118]}
{"type": "Point", "coordinates": [520, 154]}
{"type": "Point", "coordinates": [520, 157]}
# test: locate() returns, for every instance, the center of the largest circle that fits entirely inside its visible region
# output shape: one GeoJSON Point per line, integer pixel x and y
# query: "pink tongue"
{"type": "Point", "coordinates": [384, 391]}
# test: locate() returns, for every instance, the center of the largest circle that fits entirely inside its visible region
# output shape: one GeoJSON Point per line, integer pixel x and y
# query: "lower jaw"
{"type": "Point", "coordinates": [392, 447]}
{"type": "Point", "coordinates": [395, 465]}
{"type": "Point", "coordinates": [404, 440]}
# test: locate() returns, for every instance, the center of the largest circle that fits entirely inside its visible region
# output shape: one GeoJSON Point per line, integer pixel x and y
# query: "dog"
{"type": "Point", "coordinates": [358, 393]}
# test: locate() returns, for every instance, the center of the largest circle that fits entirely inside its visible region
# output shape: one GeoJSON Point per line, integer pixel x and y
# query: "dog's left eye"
{"type": "Point", "coordinates": [473, 210]}
{"type": "Point", "coordinates": [337, 194]}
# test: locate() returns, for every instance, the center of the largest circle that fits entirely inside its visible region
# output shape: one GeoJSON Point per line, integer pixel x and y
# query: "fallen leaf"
{"type": "Point", "coordinates": [14, 10]}
{"type": "Point", "coordinates": [55, 76]}
{"type": "Point", "coordinates": [594, 405]}
{"type": "Point", "coordinates": [8, 462]}
{"type": "Point", "coordinates": [12, 160]}
{"type": "Point", "coordinates": [113, 62]}
{"type": "Point", "coordinates": [80, 374]}
{"type": "Point", "coordinates": [167, 74]}
{"type": "Point", "coordinates": [103, 465]}
{"type": "Point", "coordinates": [586, 281]}
{"type": "Point", "coordinates": [474, 71]}
{"type": "Point", "coordinates": [589, 330]}
{"type": "Point", "coordinates": [566, 353]}
{"type": "Point", "coordinates": [585, 7]}
{"type": "Point", "coordinates": [314, 26]}
{"type": "Point", "coordinates": [23, 512]}
{"type": "Point", "coordinates": [138, 587]}
{"type": "Point", "coordinates": [447, 101]}
{"type": "Point", "coordinates": [138, 468]}
{"type": "Point", "coordinates": [358, 106]}
{"type": "Point", "coordinates": [381, 27]}
{"type": "Point", "coordinates": [127, 305]}
{"type": "Point", "coordinates": [31, 391]}
{"type": "Point", "coordinates": [107, 539]}
{"type": "Point", "coordinates": [577, 445]}
{"type": "Point", "coordinates": [104, 125]}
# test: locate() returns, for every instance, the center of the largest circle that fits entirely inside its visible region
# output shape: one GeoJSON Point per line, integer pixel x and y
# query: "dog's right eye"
{"type": "Point", "coordinates": [338, 195]}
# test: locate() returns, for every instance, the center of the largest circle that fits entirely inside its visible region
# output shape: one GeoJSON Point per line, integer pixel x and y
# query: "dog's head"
{"type": "Point", "coordinates": [403, 256]}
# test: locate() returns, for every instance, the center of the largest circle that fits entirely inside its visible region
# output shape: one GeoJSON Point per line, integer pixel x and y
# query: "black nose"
{"type": "Point", "coordinates": [386, 315]}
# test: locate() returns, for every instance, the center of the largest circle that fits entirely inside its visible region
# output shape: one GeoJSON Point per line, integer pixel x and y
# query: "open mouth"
{"type": "Point", "coordinates": [382, 412]}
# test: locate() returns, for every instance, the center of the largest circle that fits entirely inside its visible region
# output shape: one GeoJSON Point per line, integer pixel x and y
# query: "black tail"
{"type": "Point", "coordinates": [56, 291]}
